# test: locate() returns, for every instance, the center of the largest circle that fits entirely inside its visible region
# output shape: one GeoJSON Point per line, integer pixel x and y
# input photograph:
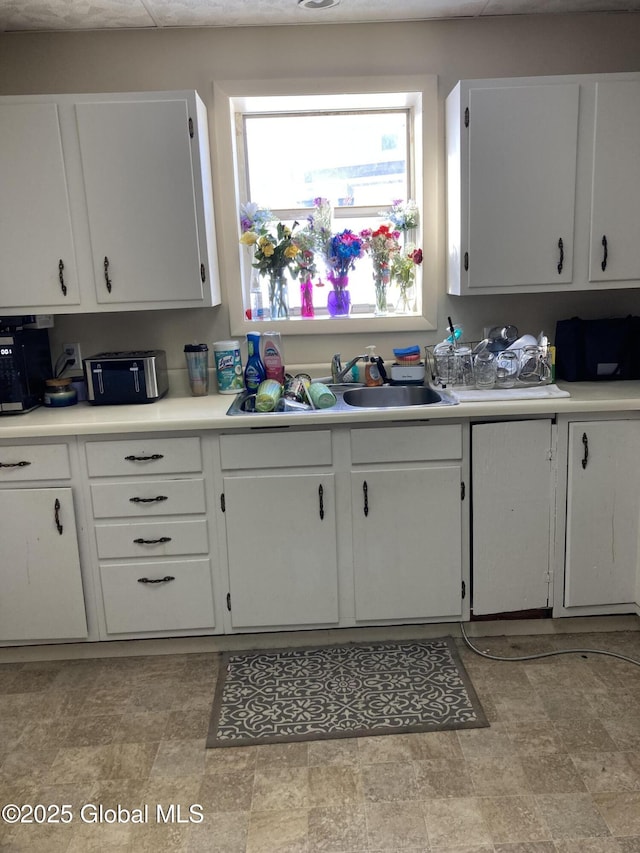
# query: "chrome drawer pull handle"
{"type": "Point", "coordinates": [148, 500]}
{"type": "Point", "coordinates": [165, 579]}
{"type": "Point", "coordinates": [14, 464]}
{"type": "Point", "coordinates": [151, 458]}
{"type": "Point", "coordinates": [161, 540]}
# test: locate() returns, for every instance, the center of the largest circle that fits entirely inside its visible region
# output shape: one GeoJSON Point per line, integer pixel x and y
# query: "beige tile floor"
{"type": "Point", "coordinates": [558, 771]}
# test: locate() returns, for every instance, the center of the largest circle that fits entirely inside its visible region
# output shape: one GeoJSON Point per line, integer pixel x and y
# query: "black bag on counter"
{"type": "Point", "coordinates": [594, 350]}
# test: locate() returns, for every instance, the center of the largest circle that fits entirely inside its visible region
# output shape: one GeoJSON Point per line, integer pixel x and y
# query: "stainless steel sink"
{"type": "Point", "coordinates": [391, 396]}
{"type": "Point", "coordinates": [351, 397]}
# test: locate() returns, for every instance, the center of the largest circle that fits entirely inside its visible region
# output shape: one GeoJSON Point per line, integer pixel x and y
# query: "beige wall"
{"type": "Point", "coordinates": [193, 59]}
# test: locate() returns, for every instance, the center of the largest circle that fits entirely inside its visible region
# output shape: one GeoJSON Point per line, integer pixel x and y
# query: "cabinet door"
{"type": "Point", "coordinates": [282, 550]}
{"type": "Point", "coordinates": [138, 174]}
{"type": "Point", "coordinates": [41, 594]}
{"type": "Point", "coordinates": [37, 257]}
{"type": "Point", "coordinates": [407, 543]}
{"type": "Point", "coordinates": [603, 512]}
{"type": "Point", "coordinates": [522, 174]}
{"type": "Point", "coordinates": [512, 498]}
{"type": "Point", "coordinates": [615, 212]}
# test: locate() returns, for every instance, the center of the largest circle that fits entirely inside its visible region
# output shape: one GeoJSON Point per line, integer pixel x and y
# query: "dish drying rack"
{"type": "Point", "coordinates": [456, 368]}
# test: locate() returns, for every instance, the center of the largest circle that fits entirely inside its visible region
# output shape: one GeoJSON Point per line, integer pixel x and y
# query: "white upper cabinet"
{"type": "Point", "coordinates": [539, 170]}
{"type": "Point", "coordinates": [122, 190]}
{"type": "Point", "coordinates": [615, 213]}
{"type": "Point", "coordinates": [37, 254]}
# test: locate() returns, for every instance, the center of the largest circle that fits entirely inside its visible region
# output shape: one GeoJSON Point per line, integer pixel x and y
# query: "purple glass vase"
{"type": "Point", "coordinates": [339, 299]}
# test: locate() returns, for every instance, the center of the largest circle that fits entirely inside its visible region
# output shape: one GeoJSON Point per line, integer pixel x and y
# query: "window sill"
{"type": "Point", "coordinates": [354, 323]}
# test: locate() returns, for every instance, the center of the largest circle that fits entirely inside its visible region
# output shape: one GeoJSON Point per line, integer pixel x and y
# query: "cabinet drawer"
{"type": "Point", "coordinates": [152, 538]}
{"type": "Point", "coordinates": [406, 444]}
{"type": "Point", "coordinates": [183, 601]}
{"type": "Point", "coordinates": [276, 449]}
{"type": "Point", "coordinates": [34, 462]}
{"type": "Point", "coordinates": [143, 456]}
{"type": "Point", "coordinates": [138, 499]}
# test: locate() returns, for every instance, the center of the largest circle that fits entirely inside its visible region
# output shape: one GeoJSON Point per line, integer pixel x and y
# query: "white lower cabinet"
{"type": "Point", "coordinates": [157, 595]}
{"type": "Point", "coordinates": [153, 543]}
{"type": "Point", "coordinates": [281, 542]}
{"type": "Point", "coordinates": [357, 526]}
{"type": "Point", "coordinates": [513, 500]}
{"type": "Point", "coordinates": [407, 547]}
{"type": "Point", "coordinates": [41, 586]}
{"type": "Point", "coordinates": [406, 505]}
{"type": "Point", "coordinates": [42, 595]}
{"type": "Point", "coordinates": [280, 520]}
{"type": "Point", "coordinates": [602, 561]}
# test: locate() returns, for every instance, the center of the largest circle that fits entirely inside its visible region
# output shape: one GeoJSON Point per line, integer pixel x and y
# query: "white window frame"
{"type": "Point", "coordinates": [419, 92]}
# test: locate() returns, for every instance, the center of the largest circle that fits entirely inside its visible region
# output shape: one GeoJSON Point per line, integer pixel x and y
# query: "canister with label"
{"type": "Point", "coordinates": [228, 366]}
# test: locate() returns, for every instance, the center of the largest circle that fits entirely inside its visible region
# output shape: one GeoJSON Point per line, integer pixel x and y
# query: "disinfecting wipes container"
{"type": "Point", "coordinates": [228, 366]}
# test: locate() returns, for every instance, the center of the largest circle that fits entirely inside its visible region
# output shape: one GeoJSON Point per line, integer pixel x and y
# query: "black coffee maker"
{"type": "Point", "coordinates": [25, 365]}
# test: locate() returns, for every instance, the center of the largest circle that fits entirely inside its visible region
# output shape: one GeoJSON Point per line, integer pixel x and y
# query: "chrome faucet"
{"type": "Point", "coordinates": [338, 372]}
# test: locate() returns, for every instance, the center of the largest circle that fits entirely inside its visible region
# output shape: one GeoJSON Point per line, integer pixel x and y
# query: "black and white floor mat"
{"type": "Point", "coordinates": [351, 690]}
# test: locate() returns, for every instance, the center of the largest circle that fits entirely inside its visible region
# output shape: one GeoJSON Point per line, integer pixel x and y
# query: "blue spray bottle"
{"type": "Point", "coordinates": [254, 372]}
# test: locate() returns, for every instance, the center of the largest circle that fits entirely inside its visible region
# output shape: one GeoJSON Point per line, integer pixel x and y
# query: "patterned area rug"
{"type": "Point", "coordinates": [342, 691]}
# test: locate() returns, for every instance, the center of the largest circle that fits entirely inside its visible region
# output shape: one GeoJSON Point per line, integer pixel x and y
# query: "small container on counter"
{"type": "Point", "coordinates": [228, 367]}
{"type": "Point", "coordinates": [59, 393]}
{"type": "Point", "coordinates": [197, 357]}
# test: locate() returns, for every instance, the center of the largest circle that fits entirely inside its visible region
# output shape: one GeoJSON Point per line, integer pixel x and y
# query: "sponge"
{"type": "Point", "coordinates": [407, 355]}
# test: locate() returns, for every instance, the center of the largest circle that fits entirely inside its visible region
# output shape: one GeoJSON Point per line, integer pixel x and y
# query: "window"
{"type": "Point", "coordinates": [363, 150]}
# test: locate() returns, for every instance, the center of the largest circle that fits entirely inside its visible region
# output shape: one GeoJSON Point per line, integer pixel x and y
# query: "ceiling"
{"type": "Point", "coordinates": [58, 15]}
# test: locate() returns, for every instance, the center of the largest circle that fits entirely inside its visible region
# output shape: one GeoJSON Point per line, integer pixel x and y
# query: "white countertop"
{"type": "Point", "coordinates": [176, 413]}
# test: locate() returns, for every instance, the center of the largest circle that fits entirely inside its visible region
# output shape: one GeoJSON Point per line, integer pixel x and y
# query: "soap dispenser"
{"type": "Point", "coordinates": [372, 375]}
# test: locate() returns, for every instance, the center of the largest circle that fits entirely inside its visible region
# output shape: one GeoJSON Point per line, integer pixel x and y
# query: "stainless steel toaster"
{"type": "Point", "coordinates": [138, 376]}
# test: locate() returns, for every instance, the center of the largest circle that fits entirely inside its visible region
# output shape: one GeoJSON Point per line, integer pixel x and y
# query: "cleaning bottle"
{"type": "Point", "coordinates": [273, 356]}
{"type": "Point", "coordinates": [372, 375]}
{"type": "Point", "coordinates": [254, 372]}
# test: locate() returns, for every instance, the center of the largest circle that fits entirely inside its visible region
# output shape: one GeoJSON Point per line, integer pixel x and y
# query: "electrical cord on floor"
{"type": "Point", "coordinates": [547, 654]}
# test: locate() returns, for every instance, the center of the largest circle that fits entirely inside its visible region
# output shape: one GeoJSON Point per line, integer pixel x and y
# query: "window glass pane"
{"type": "Point", "coordinates": [353, 159]}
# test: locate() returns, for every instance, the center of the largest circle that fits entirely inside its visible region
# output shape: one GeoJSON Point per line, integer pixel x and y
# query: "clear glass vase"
{"type": "Point", "coordinates": [406, 301]}
{"type": "Point", "coordinates": [278, 295]}
{"type": "Point", "coordinates": [381, 281]}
